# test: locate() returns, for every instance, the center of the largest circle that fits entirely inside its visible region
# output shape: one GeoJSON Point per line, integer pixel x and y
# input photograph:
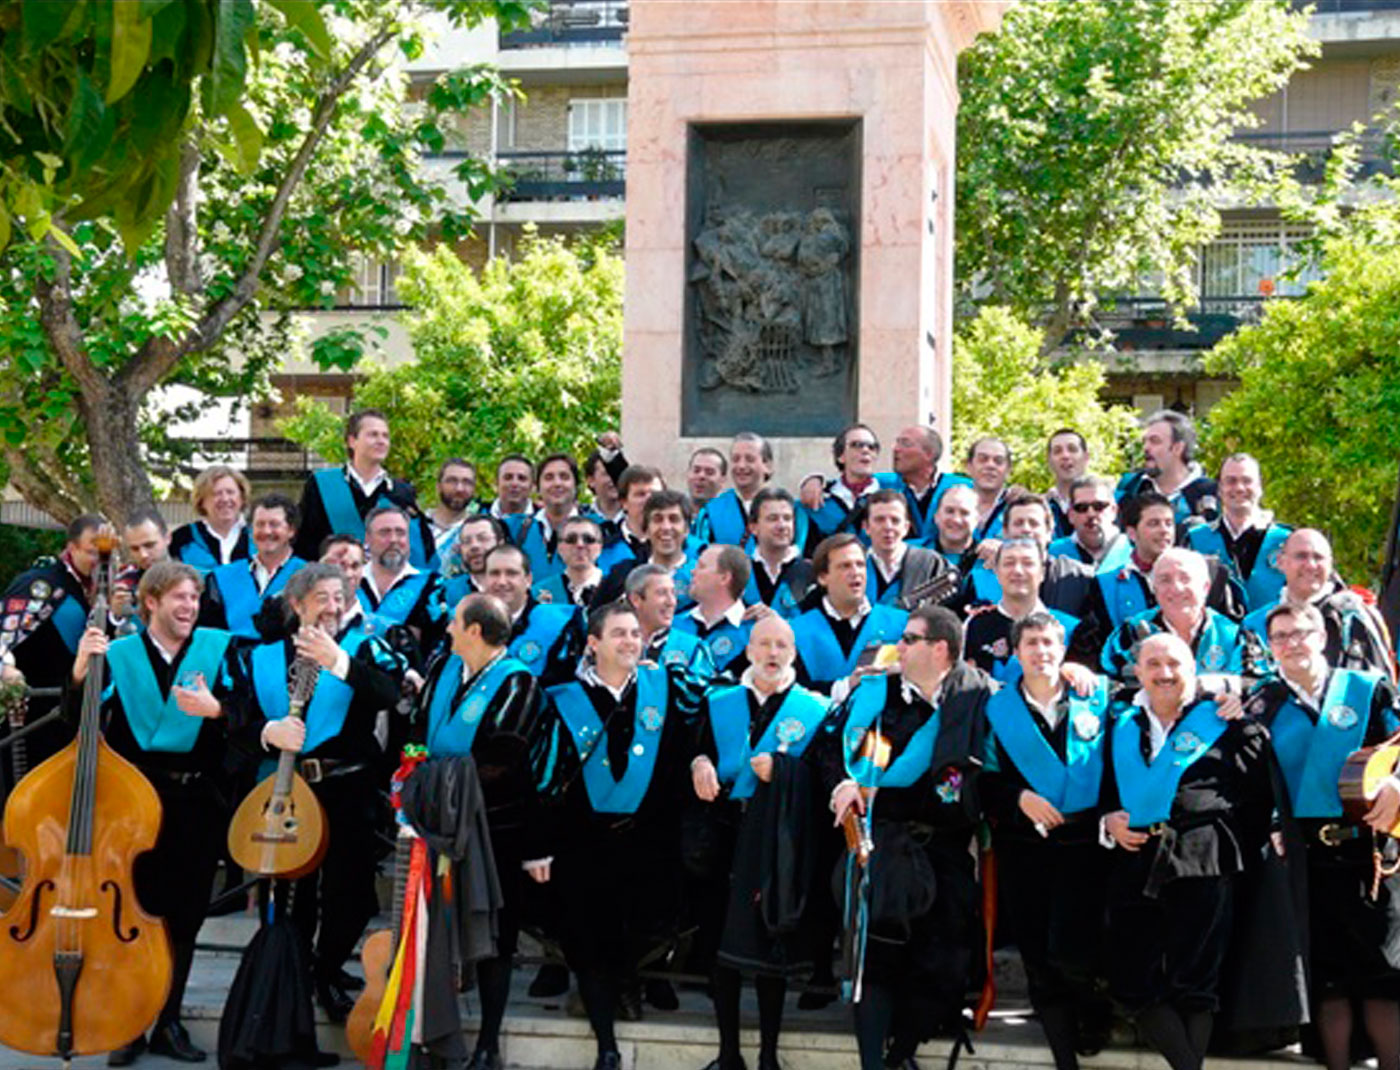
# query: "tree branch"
{"type": "Point", "coordinates": [37, 486]}
{"type": "Point", "coordinates": [159, 355]}
{"type": "Point", "coordinates": [181, 225]}
{"type": "Point", "coordinates": [61, 326]}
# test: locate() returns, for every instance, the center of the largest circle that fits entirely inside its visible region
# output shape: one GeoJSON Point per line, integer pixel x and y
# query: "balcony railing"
{"type": "Point", "coordinates": [588, 174]}
{"type": "Point", "coordinates": [573, 23]}
{"type": "Point", "coordinates": [1348, 7]}
{"type": "Point", "coordinates": [1314, 146]}
{"type": "Point", "coordinates": [264, 460]}
{"type": "Point", "coordinates": [1146, 323]}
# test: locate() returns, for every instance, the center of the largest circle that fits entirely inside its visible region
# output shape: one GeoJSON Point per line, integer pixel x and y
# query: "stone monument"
{"type": "Point", "coordinates": [789, 221]}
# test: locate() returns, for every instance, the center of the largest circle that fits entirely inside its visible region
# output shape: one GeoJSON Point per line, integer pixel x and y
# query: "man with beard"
{"type": "Point", "coordinates": [1316, 716]}
{"type": "Point", "coordinates": [174, 699]}
{"type": "Point", "coordinates": [1244, 538]}
{"type": "Point", "coordinates": [456, 491]}
{"type": "Point", "coordinates": [908, 746]}
{"type": "Point", "coordinates": [337, 500]}
{"type": "Point", "coordinates": [340, 755]}
{"type": "Point", "coordinates": [747, 733]}
{"type": "Point", "coordinates": [465, 571]}
{"type": "Point", "coordinates": [1356, 636]}
{"type": "Point", "coordinates": [651, 592]}
{"type": "Point", "coordinates": [394, 592]}
{"type": "Point", "coordinates": [623, 739]}
{"type": "Point", "coordinates": [1170, 469]}
{"type": "Point", "coordinates": [236, 592]}
{"type": "Point", "coordinates": [780, 577]}
{"type": "Point", "coordinates": [1040, 788]}
{"type": "Point", "coordinates": [547, 639]}
{"type": "Point", "coordinates": [1180, 583]}
{"type": "Point", "coordinates": [478, 700]}
{"type": "Point", "coordinates": [579, 546]}
{"type": "Point", "coordinates": [1188, 805]}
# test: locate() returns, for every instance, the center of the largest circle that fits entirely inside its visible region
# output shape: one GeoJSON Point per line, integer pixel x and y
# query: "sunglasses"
{"type": "Point", "coordinates": [910, 638]}
{"type": "Point", "coordinates": [1089, 507]}
{"type": "Point", "coordinates": [859, 444]}
{"type": "Point", "coordinates": [585, 540]}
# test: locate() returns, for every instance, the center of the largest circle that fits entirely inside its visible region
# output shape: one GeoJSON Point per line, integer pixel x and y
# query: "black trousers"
{"type": "Point", "coordinates": [332, 906]}
{"type": "Point", "coordinates": [1168, 949]}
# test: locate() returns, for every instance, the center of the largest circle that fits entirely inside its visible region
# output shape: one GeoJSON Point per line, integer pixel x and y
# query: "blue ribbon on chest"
{"type": "Point", "coordinates": [452, 725]}
{"type": "Point", "coordinates": [1071, 784]}
{"type": "Point", "coordinates": [789, 732]}
{"type": "Point", "coordinates": [914, 760]}
{"type": "Point", "coordinates": [156, 720]}
{"type": "Point", "coordinates": [1147, 789]}
{"type": "Point", "coordinates": [1311, 754]}
{"type": "Point", "coordinates": [607, 793]}
{"type": "Point", "coordinates": [330, 702]}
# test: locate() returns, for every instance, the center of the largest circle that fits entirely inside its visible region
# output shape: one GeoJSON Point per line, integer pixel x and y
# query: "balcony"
{"type": "Point", "coordinates": [1145, 324]}
{"type": "Point", "coordinates": [1314, 146]}
{"type": "Point", "coordinates": [263, 460]}
{"type": "Point", "coordinates": [585, 175]}
{"type": "Point", "coordinates": [1347, 7]}
{"type": "Point", "coordinates": [572, 24]}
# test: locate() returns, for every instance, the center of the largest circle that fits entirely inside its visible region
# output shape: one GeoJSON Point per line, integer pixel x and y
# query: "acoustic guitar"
{"type": "Point", "coordinates": [1361, 777]}
{"type": "Point", "coordinates": [279, 829]}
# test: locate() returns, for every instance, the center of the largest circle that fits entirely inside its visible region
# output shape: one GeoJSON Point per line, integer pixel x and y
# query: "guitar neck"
{"type": "Point", "coordinates": [287, 760]}
{"type": "Point", "coordinates": [403, 852]}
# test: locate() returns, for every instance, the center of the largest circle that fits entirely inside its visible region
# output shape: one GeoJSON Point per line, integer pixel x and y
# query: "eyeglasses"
{"type": "Point", "coordinates": [910, 638]}
{"type": "Point", "coordinates": [1089, 507]}
{"type": "Point", "coordinates": [1285, 638]}
{"type": "Point", "coordinates": [862, 444]}
{"type": "Point", "coordinates": [575, 540]}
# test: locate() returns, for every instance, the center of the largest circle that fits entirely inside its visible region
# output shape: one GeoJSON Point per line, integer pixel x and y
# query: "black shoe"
{"type": "Point", "coordinates": [348, 981]}
{"type": "Point", "coordinates": [128, 1054]}
{"type": "Point", "coordinates": [551, 980]}
{"type": "Point", "coordinates": [728, 1064]}
{"type": "Point", "coordinates": [173, 1042]}
{"type": "Point", "coordinates": [334, 1000]}
{"type": "Point", "coordinates": [662, 995]}
{"type": "Point", "coordinates": [608, 1060]}
{"type": "Point", "coordinates": [629, 1006]}
{"type": "Point", "coordinates": [766, 1062]}
{"type": "Point", "coordinates": [485, 1060]}
{"type": "Point", "coordinates": [815, 999]}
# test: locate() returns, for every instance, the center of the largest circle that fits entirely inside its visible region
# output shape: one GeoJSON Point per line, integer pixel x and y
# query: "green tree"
{"type": "Point", "coordinates": [319, 162]}
{"type": "Point", "coordinates": [524, 356]}
{"type": "Point", "coordinates": [1093, 140]}
{"type": "Point", "coordinates": [1003, 385]}
{"type": "Point", "coordinates": [1319, 402]}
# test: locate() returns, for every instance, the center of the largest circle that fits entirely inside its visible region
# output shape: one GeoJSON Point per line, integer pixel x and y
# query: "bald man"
{"type": "Point", "coordinates": [754, 734]}
{"type": "Point", "coordinates": [1356, 635]}
{"type": "Point", "coordinates": [1188, 805]}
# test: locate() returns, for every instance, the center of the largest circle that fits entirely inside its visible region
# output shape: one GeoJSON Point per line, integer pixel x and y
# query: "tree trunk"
{"type": "Point", "coordinates": [114, 447]}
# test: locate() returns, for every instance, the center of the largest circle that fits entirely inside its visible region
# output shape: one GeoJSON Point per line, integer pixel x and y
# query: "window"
{"type": "Point", "coordinates": [598, 123]}
{"type": "Point", "coordinates": [1251, 260]}
{"type": "Point", "coordinates": [371, 285]}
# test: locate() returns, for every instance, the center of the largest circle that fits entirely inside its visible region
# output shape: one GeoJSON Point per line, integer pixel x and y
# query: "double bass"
{"type": "Point", "coordinates": [83, 969]}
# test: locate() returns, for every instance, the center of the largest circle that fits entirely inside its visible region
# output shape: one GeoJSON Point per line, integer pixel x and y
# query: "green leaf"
{"type": "Point", "coordinates": [229, 69]}
{"type": "Point", "coordinates": [151, 8]}
{"type": "Point", "coordinates": [168, 36]}
{"type": "Point", "coordinates": [247, 138]}
{"type": "Point", "coordinates": [4, 229]}
{"type": "Point", "coordinates": [304, 16]}
{"type": "Point", "coordinates": [43, 22]}
{"type": "Point", "coordinates": [131, 45]}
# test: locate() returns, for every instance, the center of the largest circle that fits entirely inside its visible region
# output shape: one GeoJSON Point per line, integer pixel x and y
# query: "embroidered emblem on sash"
{"type": "Point", "coordinates": [529, 651]}
{"type": "Point", "coordinates": [1214, 659]}
{"type": "Point", "coordinates": [790, 730]}
{"type": "Point", "coordinates": [545, 597]}
{"type": "Point", "coordinates": [1087, 725]}
{"type": "Point", "coordinates": [1342, 717]}
{"type": "Point", "coordinates": [1186, 742]}
{"type": "Point", "coordinates": [651, 719]}
{"type": "Point", "coordinates": [674, 657]}
{"type": "Point", "coordinates": [722, 646]}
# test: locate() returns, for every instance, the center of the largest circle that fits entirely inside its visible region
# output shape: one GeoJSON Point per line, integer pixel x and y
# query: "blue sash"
{"type": "Point", "coordinates": [240, 594]}
{"type": "Point", "coordinates": [1124, 593]}
{"type": "Point", "coordinates": [614, 554]}
{"type": "Point", "coordinates": [684, 650]}
{"type": "Point", "coordinates": [914, 760]}
{"type": "Point", "coordinates": [723, 520]}
{"type": "Point", "coordinates": [330, 702]}
{"type": "Point", "coordinates": [452, 725]}
{"type": "Point", "coordinates": [552, 591]}
{"type": "Point", "coordinates": [395, 606]}
{"type": "Point", "coordinates": [1009, 671]}
{"type": "Point", "coordinates": [789, 732]}
{"type": "Point", "coordinates": [890, 595]}
{"type": "Point", "coordinates": [542, 631]}
{"type": "Point", "coordinates": [345, 519]}
{"type": "Point", "coordinates": [198, 553]}
{"type": "Point", "coordinates": [607, 794]}
{"type": "Point", "coordinates": [821, 653]}
{"type": "Point", "coordinates": [983, 585]}
{"type": "Point", "coordinates": [70, 619]}
{"type": "Point", "coordinates": [1070, 785]}
{"type": "Point", "coordinates": [726, 642]}
{"type": "Point", "coordinates": [784, 603]}
{"type": "Point", "coordinates": [532, 544]}
{"type": "Point", "coordinates": [1145, 790]}
{"type": "Point", "coordinates": [157, 722]}
{"type": "Point", "coordinates": [922, 524]}
{"type": "Point", "coordinates": [1064, 547]}
{"type": "Point", "coordinates": [1311, 755]}
{"type": "Point", "coordinates": [1265, 581]}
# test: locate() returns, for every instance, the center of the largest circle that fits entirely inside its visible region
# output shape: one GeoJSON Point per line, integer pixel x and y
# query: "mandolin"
{"type": "Point", "coordinates": [279, 829]}
{"type": "Point", "coordinates": [1362, 775]}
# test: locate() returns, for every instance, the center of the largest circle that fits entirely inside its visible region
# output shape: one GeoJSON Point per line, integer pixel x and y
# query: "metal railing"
{"type": "Point", "coordinates": [1144, 323]}
{"type": "Point", "coordinates": [1316, 145]}
{"type": "Point", "coordinates": [264, 460]}
{"type": "Point", "coordinates": [587, 174]}
{"type": "Point", "coordinates": [572, 23]}
{"type": "Point", "coordinates": [1347, 7]}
